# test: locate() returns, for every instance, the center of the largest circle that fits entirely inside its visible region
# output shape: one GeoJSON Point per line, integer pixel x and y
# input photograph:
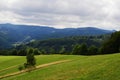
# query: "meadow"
{"type": "Point", "coordinates": [100, 67]}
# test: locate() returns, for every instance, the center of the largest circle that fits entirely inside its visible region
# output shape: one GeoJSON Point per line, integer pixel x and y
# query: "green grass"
{"type": "Point", "coordinates": [15, 61]}
{"type": "Point", "coordinates": [101, 67]}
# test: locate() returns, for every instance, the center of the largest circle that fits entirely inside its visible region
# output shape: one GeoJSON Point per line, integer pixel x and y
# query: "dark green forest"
{"type": "Point", "coordinates": [64, 45]}
{"type": "Point", "coordinates": [76, 45]}
{"type": "Point", "coordinates": [112, 45]}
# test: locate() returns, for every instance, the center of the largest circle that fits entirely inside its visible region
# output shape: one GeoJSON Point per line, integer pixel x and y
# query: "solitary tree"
{"type": "Point", "coordinates": [31, 61]}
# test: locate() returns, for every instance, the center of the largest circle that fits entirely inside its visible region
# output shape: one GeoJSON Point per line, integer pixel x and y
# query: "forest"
{"type": "Point", "coordinates": [76, 45]}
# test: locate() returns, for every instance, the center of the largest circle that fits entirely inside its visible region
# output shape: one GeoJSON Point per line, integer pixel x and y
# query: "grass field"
{"type": "Point", "coordinates": [100, 67]}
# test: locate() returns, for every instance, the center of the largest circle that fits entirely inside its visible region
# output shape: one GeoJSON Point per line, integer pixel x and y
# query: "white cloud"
{"type": "Point", "coordinates": [62, 13]}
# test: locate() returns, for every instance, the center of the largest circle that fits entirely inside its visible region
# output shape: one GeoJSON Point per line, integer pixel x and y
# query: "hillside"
{"type": "Point", "coordinates": [25, 33]}
{"type": "Point", "coordinates": [102, 67]}
{"type": "Point", "coordinates": [4, 41]}
{"type": "Point", "coordinates": [57, 45]}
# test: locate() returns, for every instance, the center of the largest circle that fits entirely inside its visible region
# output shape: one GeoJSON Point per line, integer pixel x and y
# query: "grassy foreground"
{"type": "Point", "coordinates": [102, 67]}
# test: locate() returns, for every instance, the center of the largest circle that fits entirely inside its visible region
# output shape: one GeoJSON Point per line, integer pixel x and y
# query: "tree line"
{"type": "Point", "coordinates": [80, 45]}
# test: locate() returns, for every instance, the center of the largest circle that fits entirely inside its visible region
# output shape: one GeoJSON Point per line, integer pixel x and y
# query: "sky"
{"type": "Point", "coordinates": [103, 14]}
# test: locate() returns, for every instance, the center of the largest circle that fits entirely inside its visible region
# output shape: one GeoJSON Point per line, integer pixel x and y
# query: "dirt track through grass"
{"type": "Point", "coordinates": [37, 67]}
{"type": "Point", "coordinates": [8, 68]}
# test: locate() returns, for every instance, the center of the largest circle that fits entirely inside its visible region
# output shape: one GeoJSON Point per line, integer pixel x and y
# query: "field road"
{"type": "Point", "coordinates": [37, 67]}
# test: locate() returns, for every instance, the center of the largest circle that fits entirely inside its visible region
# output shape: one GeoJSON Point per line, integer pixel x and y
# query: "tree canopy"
{"type": "Point", "coordinates": [112, 45]}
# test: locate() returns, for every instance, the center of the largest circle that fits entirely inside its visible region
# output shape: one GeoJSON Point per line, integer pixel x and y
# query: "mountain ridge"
{"type": "Point", "coordinates": [25, 33]}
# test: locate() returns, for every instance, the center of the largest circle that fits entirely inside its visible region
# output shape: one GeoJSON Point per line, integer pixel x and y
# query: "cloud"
{"type": "Point", "coordinates": [62, 13]}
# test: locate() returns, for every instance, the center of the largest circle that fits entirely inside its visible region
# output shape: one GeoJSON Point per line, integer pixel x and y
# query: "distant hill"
{"type": "Point", "coordinates": [24, 33]}
{"type": "Point", "coordinates": [4, 42]}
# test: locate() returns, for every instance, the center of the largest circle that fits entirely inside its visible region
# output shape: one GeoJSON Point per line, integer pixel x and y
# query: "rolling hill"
{"type": "Point", "coordinates": [4, 41]}
{"type": "Point", "coordinates": [100, 67]}
{"type": "Point", "coordinates": [25, 33]}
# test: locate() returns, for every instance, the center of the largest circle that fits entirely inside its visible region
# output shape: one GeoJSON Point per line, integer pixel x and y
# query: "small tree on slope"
{"type": "Point", "coordinates": [31, 61]}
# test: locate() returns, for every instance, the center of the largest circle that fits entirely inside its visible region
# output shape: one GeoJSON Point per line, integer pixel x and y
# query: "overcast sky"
{"type": "Point", "coordinates": [62, 13]}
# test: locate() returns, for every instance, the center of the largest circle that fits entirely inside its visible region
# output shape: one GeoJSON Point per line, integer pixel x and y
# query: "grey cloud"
{"type": "Point", "coordinates": [63, 13]}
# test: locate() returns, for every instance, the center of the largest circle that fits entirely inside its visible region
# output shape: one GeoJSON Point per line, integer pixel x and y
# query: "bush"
{"type": "Point", "coordinates": [20, 68]}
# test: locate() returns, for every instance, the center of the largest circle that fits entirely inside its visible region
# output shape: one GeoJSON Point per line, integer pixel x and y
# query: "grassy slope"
{"type": "Point", "coordinates": [103, 67]}
{"type": "Point", "coordinates": [15, 61]}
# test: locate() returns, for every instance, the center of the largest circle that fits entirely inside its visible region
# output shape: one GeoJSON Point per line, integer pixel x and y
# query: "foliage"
{"type": "Point", "coordinates": [76, 49]}
{"type": "Point", "coordinates": [55, 46]}
{"type": "Point", "coordinates": [93, 50]}
{"type": "Point", "coordinates": [80, 49]}
{"type": "Point", "coordinates": [83, 49]}
{"type": "Point", "coordinates": [64, 45]}
{"type": "Point", "coordinates": [36, 51]}
{"type": "Point", "coordinates": [112, 45]}
{"type": "Point", "coordinates": [22, 52]}
{"type": "Point", "coordinates": [14, 52]}
{"type": "Point", "coordinates": [20, 68]}
{"type": "Point", "coordinates": [31, 61]}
